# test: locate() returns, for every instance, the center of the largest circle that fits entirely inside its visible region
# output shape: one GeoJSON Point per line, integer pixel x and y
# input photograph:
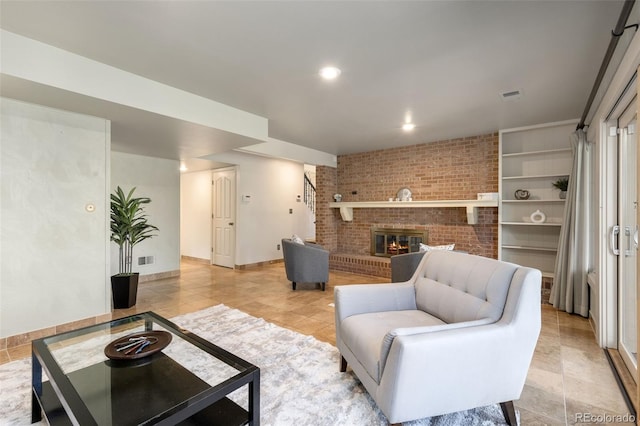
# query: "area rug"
{"type": "Point", "coordinates": [299, 379]}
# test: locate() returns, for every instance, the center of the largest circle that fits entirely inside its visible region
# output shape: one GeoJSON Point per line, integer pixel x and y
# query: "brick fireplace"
{"type": "Point", "coordinates": [456, 169]}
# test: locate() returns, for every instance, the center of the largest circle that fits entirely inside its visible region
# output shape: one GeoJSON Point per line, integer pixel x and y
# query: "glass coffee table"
{"type": "Point", "coordinates": [190, 381]}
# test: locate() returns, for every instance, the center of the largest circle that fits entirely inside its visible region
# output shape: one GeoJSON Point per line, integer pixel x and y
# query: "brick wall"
{"type": "Point", "coordinates": [454, 169]}
{"type": "Point", "coordinates": [327, 219]}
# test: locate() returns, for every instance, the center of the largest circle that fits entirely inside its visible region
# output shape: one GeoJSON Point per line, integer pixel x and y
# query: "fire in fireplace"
{"type": "Point", "coordinates": [388, 242]}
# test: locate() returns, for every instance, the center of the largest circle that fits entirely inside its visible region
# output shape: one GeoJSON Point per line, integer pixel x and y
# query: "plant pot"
{"type": "Point", "coordinates": [563, 195]}
{"type": "Point", "coordinates": [124, 289]}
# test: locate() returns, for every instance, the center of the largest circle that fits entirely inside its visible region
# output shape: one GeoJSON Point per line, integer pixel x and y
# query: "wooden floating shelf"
{"type": "Point", "coordinates": [346, 208]}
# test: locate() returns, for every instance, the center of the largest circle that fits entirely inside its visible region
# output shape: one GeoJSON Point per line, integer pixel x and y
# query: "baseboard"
{"type": "Point", "coordinates": [159, 276]}
{"type": "Point", "coordinates": [258, 264]}
{"type": "Point", "coordinates": [196, 259]}
{"type": "Point", "coordinates": [240, 267]}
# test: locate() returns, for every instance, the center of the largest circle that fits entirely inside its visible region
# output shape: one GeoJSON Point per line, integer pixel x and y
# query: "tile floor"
{"type": "Point", "coordinates": [569, 374]}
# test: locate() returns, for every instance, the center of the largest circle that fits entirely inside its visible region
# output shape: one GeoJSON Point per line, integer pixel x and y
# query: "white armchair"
{"type": "Point", "coordinates": [459, 334]}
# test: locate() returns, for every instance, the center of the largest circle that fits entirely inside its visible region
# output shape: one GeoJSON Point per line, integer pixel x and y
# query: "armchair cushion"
{"type": "Point", "coordinates": [456, 291]}
{"type": "Point", "coordinates": [426, 247]}
{"type": "Point", "coordinates": [364, 334]}
{"type": "Point", "coordinates": [296, 239]}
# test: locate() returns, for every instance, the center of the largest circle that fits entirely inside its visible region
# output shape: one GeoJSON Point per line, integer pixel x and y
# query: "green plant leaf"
{"type": "Point", "coordinates": [129, 224]}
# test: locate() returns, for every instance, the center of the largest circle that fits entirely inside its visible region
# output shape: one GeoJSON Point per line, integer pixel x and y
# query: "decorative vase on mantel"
{"type": "Point", "coordinates": [563, 195]}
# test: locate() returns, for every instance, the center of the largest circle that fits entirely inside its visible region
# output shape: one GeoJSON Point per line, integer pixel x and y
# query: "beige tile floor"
{"type": "Point", "coordinates": [569, 374]}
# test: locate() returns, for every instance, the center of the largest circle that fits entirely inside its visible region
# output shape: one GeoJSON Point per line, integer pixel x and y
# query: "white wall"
{"type": "Point", "coordinates": [158, 179]}
{"type": "Point", "coordinates": [262, 223]}
{"type": "Point", "coordinates": [274, 185]}
{"type": "Point", "coordinates": [195, 214]}
{"type": "Point", "coordinates": [53, 251]}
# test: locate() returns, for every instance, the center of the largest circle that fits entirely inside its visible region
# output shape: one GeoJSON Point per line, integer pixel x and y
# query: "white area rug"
{"type": "Point", "coordinates": [299, 379]}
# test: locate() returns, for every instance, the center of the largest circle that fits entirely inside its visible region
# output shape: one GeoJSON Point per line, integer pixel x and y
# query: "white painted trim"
{"type": "Point", "coordinates": [597, 131]}
{"type": "Point", "coordinates": [541, 126]}
{"type": "Point", "coordinates": [107, 240]}
{"type": "Point", "coordinates": [276, 148]}
{"type": "Point", "coordinates": [346, 208]}
{"type": "Point", "coordinates": [607, 262]}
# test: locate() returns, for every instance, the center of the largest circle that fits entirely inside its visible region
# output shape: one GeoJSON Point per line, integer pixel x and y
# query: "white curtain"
{"type": "Point", "coordinates": [570, 291]}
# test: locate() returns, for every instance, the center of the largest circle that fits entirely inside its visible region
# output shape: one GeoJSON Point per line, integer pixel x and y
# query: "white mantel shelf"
{"type": "Point", "coordinates": [346, 208]}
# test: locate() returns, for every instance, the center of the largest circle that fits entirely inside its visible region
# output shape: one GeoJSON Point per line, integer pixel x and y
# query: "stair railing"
{"type": "Point", "coordinates": [309, 194]}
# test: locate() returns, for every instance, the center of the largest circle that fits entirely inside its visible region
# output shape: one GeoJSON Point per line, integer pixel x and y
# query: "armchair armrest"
{"type": "Point", "coordinates": [408, 331]}
{"type": "Point", "coordinates": [472, 367]}
{"type": "Point", "coordinates": [316, 246]}
{"type": "Point", "coordinates": [312, 252]}
{"type": "Point", "coordinates": [365, 298]}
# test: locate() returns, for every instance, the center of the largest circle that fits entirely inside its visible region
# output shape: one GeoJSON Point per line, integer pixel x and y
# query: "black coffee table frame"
{"type": "Point", "coordinates": [62, 404]}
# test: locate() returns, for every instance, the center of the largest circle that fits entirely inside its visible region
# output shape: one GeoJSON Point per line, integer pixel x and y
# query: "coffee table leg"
{"type": "Point", "coordinates": [36, 389]}
{"type": "Point", "coordinates": [254, 399]}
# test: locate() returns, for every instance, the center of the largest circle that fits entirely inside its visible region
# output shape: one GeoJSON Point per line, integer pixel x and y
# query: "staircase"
{"type": "Point", "coordinates": [309, 194]}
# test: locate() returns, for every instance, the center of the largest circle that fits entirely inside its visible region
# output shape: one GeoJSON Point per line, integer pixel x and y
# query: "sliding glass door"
{"type": "Point", "coordinates": [626, 231]}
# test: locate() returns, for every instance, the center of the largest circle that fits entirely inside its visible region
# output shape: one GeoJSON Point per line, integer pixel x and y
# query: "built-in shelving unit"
{"type": "Point", "coordinates": [346, 208]}
{"type": "Point", "coordinates": [532, 158]}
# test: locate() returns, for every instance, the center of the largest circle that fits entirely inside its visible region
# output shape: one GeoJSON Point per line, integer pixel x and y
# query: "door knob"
{"type": "Point", "coordinates": [230, 223]}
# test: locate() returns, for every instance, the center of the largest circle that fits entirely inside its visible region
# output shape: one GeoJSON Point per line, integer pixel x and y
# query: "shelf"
{"type": "Point", "coordinates": [532, 158]}
{"type": "Point", "coordinates": [528, 248]}
{"type": "Point", "coordinates": [525, 153]}
{"type": "Point", "coordinates": [556, 175]}
{"type": "Point", "coordinates": [559, 200]}
{"type": "Point", "coordinates": [531, 224]}
{"type": "Point", "coordinates": [346, 207]}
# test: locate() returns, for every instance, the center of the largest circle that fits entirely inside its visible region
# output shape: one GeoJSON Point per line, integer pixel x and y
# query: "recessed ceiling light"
{"type": "Point", "coordinates": [183, 167]}
{"type": "Point", "coordinates": [330, 73]}
{"type": "Point", "coordinates": [407, 127]}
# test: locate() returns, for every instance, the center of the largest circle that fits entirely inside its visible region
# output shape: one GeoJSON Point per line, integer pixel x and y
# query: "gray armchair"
{"type": "Point", "coordinates": [403, 266]}
{"type": "Point", "coordinates": [459, 334]}
{"type": "Point", "coordinates": [305, 263]}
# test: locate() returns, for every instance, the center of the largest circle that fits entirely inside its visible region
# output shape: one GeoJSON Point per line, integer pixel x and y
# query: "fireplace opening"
{"type": "Point", "coordinates": [389, 242]}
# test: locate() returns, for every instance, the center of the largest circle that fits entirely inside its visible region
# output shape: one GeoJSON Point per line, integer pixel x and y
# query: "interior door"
{"type": "Point", "coordinates": [223, 217]}
{"type": "Point", "coordinates": [627, 232]}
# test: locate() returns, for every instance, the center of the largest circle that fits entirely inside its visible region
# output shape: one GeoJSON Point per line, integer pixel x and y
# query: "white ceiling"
{"type": "Point", "coordinates": [443, 62]}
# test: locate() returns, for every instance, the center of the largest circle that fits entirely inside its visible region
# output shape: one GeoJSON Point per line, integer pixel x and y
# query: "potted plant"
{"type": "Point", "coordinates": [562, 184]}
{"type": "Point", "coordinates": [129, 227]}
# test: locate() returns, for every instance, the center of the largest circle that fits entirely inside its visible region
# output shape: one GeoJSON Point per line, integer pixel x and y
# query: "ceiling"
{"type": "Point", "coordinates": [444, 63]}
